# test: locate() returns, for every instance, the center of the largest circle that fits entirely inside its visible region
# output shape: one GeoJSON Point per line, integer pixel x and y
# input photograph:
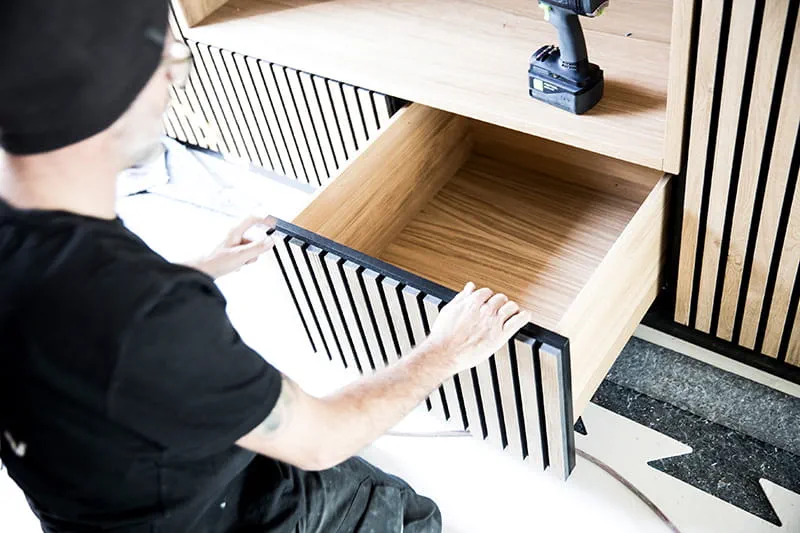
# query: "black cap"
{"type": "Point", "coordinates": [70, 68]}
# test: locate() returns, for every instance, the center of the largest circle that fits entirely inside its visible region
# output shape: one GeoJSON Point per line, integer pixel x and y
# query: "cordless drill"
{"type": "Point", "coordinates": [562, 75]}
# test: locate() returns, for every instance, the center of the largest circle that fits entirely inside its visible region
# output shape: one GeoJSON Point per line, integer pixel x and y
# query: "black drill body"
{"type": "Point", "coordinates": [562, 75]}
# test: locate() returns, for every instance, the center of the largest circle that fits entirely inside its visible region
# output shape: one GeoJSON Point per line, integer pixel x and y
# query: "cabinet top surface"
{"type": "Point", "coordinates": [469, 57]}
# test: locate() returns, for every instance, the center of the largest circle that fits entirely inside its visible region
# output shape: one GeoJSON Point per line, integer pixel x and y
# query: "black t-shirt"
{"type": "Point", "coordinates": [123, 385]}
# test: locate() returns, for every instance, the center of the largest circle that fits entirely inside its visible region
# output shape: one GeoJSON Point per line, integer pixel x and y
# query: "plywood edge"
{"type": "Point", "coordinates": [678, 83]}
{"type": "Point", "coordinates": [190, 13]}
{"type": "Point", "coordinates": [607, 310]}
{"type": "Point", "coordinates": [388, 181]}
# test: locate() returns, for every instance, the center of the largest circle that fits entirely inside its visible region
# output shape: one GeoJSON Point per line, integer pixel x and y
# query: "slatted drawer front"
{"type": "Point", "coordinates": [288, 121]}
{"type": "Point", "coordinates": [738, 268]}
{"type": "Point", "coordinates": [366, 320]}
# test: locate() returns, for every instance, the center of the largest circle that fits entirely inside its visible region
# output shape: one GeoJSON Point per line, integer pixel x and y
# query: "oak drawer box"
{"type": "Point", "coordinates": [438, 200]}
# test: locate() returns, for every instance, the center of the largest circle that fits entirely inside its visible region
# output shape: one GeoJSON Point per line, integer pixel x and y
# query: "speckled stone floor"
{"type": "Point", "coordinates": [740, 431]}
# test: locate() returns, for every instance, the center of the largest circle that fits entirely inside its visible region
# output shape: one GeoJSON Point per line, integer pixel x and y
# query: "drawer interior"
{"type": "Point", "coordinates": [453, 200]}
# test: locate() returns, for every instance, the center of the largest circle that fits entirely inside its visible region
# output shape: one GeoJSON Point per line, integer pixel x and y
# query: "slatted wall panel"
{"type": "Point", "coordinates": [365, 320]}
{"type": "Point", "coordinates": [740, 237]}
{"type": "Point", "coordinates": [288, 121]}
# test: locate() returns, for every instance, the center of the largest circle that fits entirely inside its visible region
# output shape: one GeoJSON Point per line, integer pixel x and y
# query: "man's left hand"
{"type": "Point", "coordinates": [236, 250]}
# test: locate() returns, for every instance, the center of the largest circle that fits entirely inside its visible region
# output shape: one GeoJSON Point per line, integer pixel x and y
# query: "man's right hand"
{"type": "Point", "coordinates": [473, 326]}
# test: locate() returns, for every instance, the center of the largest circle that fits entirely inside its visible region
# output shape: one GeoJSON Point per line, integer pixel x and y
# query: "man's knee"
{"type": "Point", "coordinates": [421, 514]}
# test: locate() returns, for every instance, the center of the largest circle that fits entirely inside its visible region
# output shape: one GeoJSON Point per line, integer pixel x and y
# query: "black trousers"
{"type": "Point", "coordinates": [356, 497]}
{"type": "Point", "coordinates": [353, 497]}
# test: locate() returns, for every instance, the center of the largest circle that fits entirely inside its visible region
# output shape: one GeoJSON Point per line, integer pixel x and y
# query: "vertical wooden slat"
{"type": "Point", "coordinates": [198, 101]}
{"type": "Point", "coordinates": [793, 352]}
{"type": "Point", "coordinates": [411, 302]}
{"type": "Point", "coordinates": [489, 402]}
{"type": "Point", "coordinates": [299, 135]}
{"type": "Point", "coordinates": [777, 179]}
{"type": "Point", "coordinates": [233, 109]}
{"type": "Point", "coordinates": [382, 108]}
{"type": "Point", "coordinates": [267, 146]}
{"type": "Point", "coordinates": [372, 284]}
{"type": "Point", "coordinates": [178, 103]}
{"type": "Point", "coordinates": [180, 132]}
{"type": "Point", "coordinates": [356, 117]}
{"type": "Point", "coordinates": [246, 112]}
{"type": "Point", "coordinates": [368, 112]}
{"type": "Point", "coordinates": [529, 381]}
{"type": "Point", "coordinates": [557, 411]}
{"type": "Point", "coordinates": [291, 274]}
{"type": "Point", "coordinates": [297, 249]}
{"type": "Point", "coordinates": [288, 135]}
{"type": "Point", "coordinates": [431, 305]}
{"type": "Point", "coordinates": [390, 289]}
{"type": "Point", "coordinates": [336, 92]}
{"type": "Point", "coordinates": [225, 115]}
{"type": "Point", "coordinates": [787, 270]}
{"type": "Point", "coordinates": [741, 23]}
{"type": "Point", "coordinates": [169, 129]}
{"type": "Point", "coordinates": [505, 377]}
{"type": "Point", "coordinates": [353, 327]}
{"type": "Point", "coordinates": [710, 22]}
{"type": "Point", "coordinates": [313, 139]}
{"type": "Point", "coordinates": [210, 93]}
{"type": "Point", "coordinates": [364, 314]}
{"type": "Point", "coordinates": [755, 137]}
{"type": "Point", "coordinates": [271, 105]}
{"type": "Point", "coordinates": [333, 308]}
{"type": "Point", "coordinates": [318, 123]}
{"type": "Point", "coordinates": [332, 124]}
{"type": "Point", "coordinates": [680, 49]}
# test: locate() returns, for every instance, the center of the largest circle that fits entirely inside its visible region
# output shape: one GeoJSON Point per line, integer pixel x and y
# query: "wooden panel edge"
{"type": "Point", "coordinates": [677, 83]}
{"type": "Point", "coordinates": [613, 302]}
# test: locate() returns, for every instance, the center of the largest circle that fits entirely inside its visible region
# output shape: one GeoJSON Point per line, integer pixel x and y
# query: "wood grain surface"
{"type": "Point", "coordinates": [779, 176]}
{"type": "Point", "coordinates": [470, 58]}
{"type": "Point", "coordinates": [534, 237]}
{"type": "Point", "coordinates": [752, 153]}
{"type": "Point", "coordinates": [677, 84]}
{"type": "Point", "coordinates": [705, 78]}
{"type": "Point", "coordinates": [742, 15]}
{"type": "Point", "coordinates": [389, 181]}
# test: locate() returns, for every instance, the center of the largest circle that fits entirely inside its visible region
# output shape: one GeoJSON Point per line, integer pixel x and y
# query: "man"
{"type": "Point", "coordinates": [127, 400]}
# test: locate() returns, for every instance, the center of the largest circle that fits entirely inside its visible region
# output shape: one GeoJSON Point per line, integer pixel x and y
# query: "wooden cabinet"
{"type": "Point", "coordinates": [438, 200]}
{"type": "Point", "coordinates": [476, 182]}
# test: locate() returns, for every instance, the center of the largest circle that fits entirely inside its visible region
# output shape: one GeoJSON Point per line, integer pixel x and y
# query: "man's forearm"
{"type": "Point", "coordinates": [363, 411]}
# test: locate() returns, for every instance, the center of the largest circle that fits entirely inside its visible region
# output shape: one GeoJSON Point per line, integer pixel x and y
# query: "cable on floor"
{"type": "Point", "coordinates": [592, 459]}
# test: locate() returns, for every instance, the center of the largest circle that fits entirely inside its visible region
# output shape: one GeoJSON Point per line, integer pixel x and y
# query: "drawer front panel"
{"type": "Point", "coordinates": [365, 314]}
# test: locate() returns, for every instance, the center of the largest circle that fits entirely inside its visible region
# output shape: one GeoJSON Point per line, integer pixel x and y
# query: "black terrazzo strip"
{"type": "Point", "coordinates": [723, 462]}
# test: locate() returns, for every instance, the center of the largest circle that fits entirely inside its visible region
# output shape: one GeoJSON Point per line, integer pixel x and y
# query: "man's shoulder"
{"type": "Point", "coordinates": [93, 273]}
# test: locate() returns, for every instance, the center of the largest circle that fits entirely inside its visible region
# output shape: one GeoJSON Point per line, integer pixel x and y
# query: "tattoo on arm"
{"type": "Point", "coordinates": [282, 411]}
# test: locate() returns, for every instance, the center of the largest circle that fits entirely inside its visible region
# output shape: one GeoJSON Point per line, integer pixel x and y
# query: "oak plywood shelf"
{"type": "Point", "coordinates": [470, 57]}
